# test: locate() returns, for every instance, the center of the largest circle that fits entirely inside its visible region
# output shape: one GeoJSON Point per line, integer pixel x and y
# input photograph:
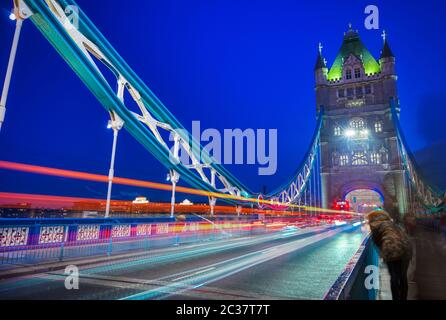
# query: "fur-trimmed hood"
{"type": "Point", "coordinates": [392, 240]}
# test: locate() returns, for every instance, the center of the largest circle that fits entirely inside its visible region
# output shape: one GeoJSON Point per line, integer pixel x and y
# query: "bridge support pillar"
{"type": "Point", "coordinates": [325, 191]}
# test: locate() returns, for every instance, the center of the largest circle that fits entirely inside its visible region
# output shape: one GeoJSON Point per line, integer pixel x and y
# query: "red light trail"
{"type": "Point", "coordinates": [7, 165]}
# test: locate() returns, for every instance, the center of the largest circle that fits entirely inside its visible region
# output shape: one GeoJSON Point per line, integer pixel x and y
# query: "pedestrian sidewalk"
{"type": "Point", "coordinates": [430, 273]}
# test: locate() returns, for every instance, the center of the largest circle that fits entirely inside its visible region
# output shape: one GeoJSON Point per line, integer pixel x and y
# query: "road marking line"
{"type": "Point", "coordinates": [195, 273]}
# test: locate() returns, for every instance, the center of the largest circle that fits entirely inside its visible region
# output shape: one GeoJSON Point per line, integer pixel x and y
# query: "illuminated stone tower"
{"type": "Point", "coordinates": [358, 140]}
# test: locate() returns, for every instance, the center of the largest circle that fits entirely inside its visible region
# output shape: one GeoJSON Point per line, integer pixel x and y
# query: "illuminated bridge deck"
{"type": "Point", "coordinates": [271, 266]}
{"type": "Point", "coordinates": [304, 274]}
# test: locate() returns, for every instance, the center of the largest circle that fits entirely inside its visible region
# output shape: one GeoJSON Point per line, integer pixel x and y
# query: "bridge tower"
{"type": "Point", "coordinates": [359, 147]}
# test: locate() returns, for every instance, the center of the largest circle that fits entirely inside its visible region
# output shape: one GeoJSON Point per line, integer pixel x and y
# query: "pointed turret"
{"type": "Point", "coordinates": [388, 70]}
{"type": "Point", "coordinates": [320, 69]}
{"type": "Point", "coordinates": [387, 59]}
{"type": "Point", "coordinates": [320, 61]}
{"type": "Point", "coordinates": [386, 52]}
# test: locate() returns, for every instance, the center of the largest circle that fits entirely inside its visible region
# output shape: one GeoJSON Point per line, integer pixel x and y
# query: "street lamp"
{"type": "Point", "coordinates": [173, 177]}
{"type": "Point", "coordinates": [116, 124]}
{"type": "Point", "coordinates": [12, 54]}
{"type": "Point", "coordinates": [350, 133]}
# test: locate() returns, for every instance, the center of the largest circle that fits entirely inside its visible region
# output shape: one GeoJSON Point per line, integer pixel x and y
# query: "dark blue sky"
{"type": "Point", "coordinates": [230, 64]}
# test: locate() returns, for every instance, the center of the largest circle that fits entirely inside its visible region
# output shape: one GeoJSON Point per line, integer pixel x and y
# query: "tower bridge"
{"type": "Point", "coordinates": [357, 142]}
{"type": "Point", "coordinates": [358, 150]}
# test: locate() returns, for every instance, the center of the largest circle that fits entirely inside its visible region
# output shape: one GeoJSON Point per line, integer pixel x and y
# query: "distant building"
{"type": "Point", "coordinates": [186, 202]}
{"type": "Point", "coordinates": [140, 200]}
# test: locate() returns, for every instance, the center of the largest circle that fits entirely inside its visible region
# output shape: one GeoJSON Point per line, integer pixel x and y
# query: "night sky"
{"type": "Point", "coordinates": [230, 64]}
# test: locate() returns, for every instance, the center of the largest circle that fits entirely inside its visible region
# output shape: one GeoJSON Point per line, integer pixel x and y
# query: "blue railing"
{"type": "Point", "coordinates": [29, 241]}
{"type": "Point", "coordinates": [351, 284]}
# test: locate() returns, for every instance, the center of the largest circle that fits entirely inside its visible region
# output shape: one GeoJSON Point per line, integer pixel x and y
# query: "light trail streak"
{"type": "Point", "coordinates": [5, 196]}
{"type": "Point", "coordinates": [160, 258]}
{"type": "Point", "coordinates": [226, 268]}
{"type": "Point", "coordinates": [225, 245]}
{"type": "Point", "coordinates": [15, 166]}
{"type": "Point", "coordinates": [194, 274]}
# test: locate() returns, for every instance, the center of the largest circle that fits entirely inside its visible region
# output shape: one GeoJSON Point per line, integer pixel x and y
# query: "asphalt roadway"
{"type": "Point", "coordinates": [291, 264]}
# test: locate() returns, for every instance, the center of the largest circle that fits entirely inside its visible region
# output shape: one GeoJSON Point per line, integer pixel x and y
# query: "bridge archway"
{"type": "Point", "coordinates": [364, 200]}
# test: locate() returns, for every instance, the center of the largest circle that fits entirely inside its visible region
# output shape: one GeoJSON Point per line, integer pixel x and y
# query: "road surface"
{"type": "Point", "coordinates": [299, 264]}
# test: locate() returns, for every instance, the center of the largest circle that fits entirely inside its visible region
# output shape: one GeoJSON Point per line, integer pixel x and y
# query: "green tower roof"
{"type": "Point", "coordinates": [352, 44]}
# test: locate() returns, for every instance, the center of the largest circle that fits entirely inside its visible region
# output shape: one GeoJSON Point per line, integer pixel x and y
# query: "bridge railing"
{"type": "Point", "coordinates": [352, 283]}
{"type": "Point", "coordinates": [28, 241]}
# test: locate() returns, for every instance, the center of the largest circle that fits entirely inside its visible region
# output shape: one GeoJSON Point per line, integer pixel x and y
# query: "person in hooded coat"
{"type": "Point", "coordinates": [395, 249]}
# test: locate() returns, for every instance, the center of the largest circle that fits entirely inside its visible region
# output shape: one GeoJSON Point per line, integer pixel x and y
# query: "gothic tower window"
{"type": "Point", "coordinates": [337, 131]}
{"type": "Point", "coordinates": [375, 158]}
{"type": "Point", "coordinates": [341, 93]}
{"type": "Point", "coordinates": [343, 160]}
{"type": "Point", "coordinates": [335, 158]}
{"type": "Point", "coordinates": [359, 158]}
{"type": "Point", "coordinates": [348, 74]}
{"type": "Point", "coordinates": [357, 123]}
{"type": "Point", "coordinates": [368, 89]}
{"type": "Point", "coordinates": [350, 93]}
{"type": "Point", "coordinates": [357, 73]}
{"type": "Point", "coordinates": [359, 92]}
{"type": "Point", "coordinates": [378, 126]}
{"type": "Point", "coordinates": [384, 155]}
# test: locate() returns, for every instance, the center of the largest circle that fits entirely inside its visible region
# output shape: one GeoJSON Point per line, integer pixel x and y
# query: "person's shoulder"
{"type": "Point", "coordinates": [389, 224]}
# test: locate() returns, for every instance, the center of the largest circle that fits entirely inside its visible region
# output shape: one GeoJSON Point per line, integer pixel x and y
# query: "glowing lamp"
{"type": "Point", "coordinates": [350, 133]}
